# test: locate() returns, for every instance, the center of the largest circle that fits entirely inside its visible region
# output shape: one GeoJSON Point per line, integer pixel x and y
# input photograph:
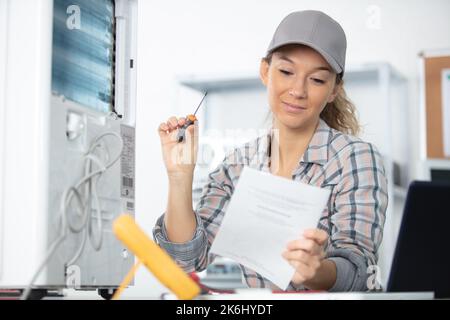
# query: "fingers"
{"type": "Point", "coordinates": [171, 124]}
{"type": "Point", "coordinates": [307, 245]}
{"type": "Point", "coordinates": [192, 138]}
{"type": "Point", "coordinates": [306, 265]}
{"type": "Point", "coordinates": [303, 272]}
{"type": "Point", "coordinates": [317, 235]}
{"type": "Point", "coordinates": [307, 253]}
{"type": "Point", "coordinates": [300, 256]}
{"type": "Point", "coordinates": [314, 240]}
{"type": "Point", "coordinates": [193, 129]}
{"type": "Point", "coordinates": [163, 127]}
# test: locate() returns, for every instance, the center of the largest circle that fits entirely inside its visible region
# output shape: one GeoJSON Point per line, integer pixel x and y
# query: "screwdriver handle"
{"type": "Point", "coordinates": [190, 119]}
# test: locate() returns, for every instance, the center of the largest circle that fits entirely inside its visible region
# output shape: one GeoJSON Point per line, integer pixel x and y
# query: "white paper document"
{"type": "Point", "coordinates": [265, 213]}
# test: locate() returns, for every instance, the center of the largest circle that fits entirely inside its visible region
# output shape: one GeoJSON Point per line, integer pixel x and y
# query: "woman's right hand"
{"type": "Point", "coordinates": [179, 157]}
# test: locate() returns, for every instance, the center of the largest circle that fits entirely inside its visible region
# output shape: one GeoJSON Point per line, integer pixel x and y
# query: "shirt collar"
{"type": "Point", "coordinates": [316, 152]}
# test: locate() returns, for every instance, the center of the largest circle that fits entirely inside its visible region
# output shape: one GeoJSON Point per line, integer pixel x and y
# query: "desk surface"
{"type": "Point", "coordinates": [255, 294]}
{"type": "Point", "coordinates": [263, 294]}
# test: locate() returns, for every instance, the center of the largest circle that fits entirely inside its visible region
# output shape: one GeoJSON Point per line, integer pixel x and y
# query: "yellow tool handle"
{"type": "Point", "coordinates": [126, 281]}
{"type": "Point", "coordinates": [154, 258]}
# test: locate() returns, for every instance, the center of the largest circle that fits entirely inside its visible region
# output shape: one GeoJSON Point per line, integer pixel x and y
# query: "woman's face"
{"type": "Point", "coordinates": [299, 83]}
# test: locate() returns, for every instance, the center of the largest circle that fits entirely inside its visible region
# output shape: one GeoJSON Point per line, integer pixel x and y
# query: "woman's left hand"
{"type": "Point", "coordinates": [306, 255]}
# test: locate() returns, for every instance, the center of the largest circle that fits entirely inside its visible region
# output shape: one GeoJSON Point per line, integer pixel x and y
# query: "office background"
{"type": "Point", "coordinates": [179, 38]}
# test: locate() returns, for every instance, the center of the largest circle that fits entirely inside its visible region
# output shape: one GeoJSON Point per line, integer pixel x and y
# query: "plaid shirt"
{"type": "Point", "coordinates": [353, 218]}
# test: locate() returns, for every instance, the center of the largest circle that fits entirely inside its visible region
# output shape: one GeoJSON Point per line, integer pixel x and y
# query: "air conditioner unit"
{"type": "Point", "coordinates": [67, 141]}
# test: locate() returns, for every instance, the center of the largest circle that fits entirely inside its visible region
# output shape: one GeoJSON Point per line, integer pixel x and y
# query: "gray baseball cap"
{"type": "Point", "coordinates": [314, 29]}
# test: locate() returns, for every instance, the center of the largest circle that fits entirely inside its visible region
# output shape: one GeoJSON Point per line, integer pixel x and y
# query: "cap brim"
{"type": "Point", "coordinates": [331, 61]}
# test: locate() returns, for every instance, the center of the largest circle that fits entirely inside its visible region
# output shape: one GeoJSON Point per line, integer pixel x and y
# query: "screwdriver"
{"type": "Point", "coordinates": [190, 119]}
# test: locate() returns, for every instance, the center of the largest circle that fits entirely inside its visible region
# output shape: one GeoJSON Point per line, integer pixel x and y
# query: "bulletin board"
{"type": "Point", "coordinates": [434, 66]}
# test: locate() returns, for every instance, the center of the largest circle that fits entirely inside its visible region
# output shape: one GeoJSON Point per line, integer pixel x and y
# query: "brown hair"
{"type": "Point", "coordinates": [340, 114]}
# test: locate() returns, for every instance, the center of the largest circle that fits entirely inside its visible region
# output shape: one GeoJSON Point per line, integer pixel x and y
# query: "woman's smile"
{"type": "Point", "coordinates": [293, 108]}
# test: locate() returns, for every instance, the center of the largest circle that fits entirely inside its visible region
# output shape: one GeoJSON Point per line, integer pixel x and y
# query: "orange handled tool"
{"type": "Point", "coordinates": [190, 119]}
{"type": "Point", "coordinates": [154, 258]}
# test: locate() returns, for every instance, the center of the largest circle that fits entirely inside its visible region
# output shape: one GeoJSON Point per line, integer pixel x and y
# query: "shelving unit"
{"type": "Point", "coordinates": [378, 91]}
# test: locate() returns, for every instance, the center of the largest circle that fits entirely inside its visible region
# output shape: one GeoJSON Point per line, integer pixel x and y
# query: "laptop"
{"type": "Point", "coordinates": [422, 255]}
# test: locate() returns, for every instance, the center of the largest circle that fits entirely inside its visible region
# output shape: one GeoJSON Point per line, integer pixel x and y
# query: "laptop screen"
{"type": "Point", "coordinates": [422, 255]}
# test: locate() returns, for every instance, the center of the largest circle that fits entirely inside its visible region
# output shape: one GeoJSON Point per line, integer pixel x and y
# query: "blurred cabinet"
{"type": "Point", "coordinates": [435, 104]}
{"type": "Point", "coordinates": [434, 76]}
{"type": "Point", "coordinates": [236, 110]}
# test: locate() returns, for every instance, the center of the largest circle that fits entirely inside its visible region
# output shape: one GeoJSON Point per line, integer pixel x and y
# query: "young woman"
{"type": "Point", "coordinates": [316, 127]}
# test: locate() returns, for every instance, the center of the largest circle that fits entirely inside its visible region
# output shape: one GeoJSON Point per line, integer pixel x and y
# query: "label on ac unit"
{"type": "Point", "coordinates": [127, 170]}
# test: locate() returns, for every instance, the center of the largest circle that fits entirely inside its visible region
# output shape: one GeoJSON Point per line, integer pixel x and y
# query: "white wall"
{"type": "Point", "coordinates": [209, 36]}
